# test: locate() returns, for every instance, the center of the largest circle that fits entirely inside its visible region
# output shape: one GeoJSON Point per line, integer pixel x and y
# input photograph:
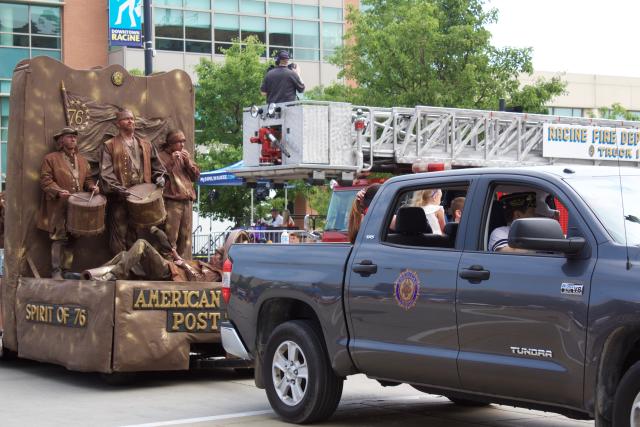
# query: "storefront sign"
{"type": "Point", "coordinates": [125, 23]}
{"type": "Point", "coordinates": [590, 142]}
{"type": "Point", "coordinates": [57, 315]}
{"type": "Point", "coordinates": [187, 310]}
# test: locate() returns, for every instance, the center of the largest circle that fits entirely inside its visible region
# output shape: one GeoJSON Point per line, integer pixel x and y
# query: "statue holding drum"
{"type": "Point", "coordinates": [130, 171]}
{"type": "Point", "coordinates": [64, 174]}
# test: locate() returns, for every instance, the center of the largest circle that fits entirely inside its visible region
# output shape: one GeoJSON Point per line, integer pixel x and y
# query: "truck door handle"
{"type": "Point", "coordinates": [475, 273]}
{"type": "Point", "coordinates": [365, 268]}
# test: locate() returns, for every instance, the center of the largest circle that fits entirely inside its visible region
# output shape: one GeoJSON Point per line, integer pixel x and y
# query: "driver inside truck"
{"type": "Point", "coordinates": [528, 204]}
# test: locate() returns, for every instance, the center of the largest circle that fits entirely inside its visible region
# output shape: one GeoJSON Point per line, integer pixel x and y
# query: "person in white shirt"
{"type": "Point", "coordinates": [276, 218]}
{"type": "Point", "coordinates": [430, 202]}
{"type": "Point", "coordinates": [515, 206]}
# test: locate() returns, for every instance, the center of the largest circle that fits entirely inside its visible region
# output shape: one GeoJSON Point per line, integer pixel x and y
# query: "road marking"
{"type": "Point", "coordinates": [203, 419]}
{"type": "Point", "coordinates": [256, 413]}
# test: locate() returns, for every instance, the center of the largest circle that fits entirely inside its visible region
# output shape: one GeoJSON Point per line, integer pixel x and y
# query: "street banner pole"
{"type": "Point", "coordinates": [148, 41]}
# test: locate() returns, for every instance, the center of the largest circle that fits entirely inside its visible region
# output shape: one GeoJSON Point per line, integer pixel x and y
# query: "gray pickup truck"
{"type": "Point", "coordinates": [532, 298]}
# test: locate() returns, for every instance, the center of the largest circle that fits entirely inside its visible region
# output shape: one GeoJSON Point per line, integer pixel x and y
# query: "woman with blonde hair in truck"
{"type": "Point", "coordinates": [431, 199]}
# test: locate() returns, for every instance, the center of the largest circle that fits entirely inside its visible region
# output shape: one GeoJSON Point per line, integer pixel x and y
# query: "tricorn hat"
{"type": "Point", "coordinates": [65, 131]}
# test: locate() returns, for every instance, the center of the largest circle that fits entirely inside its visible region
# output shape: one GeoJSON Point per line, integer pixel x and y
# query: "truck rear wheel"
{"type": "Point", "coordinates": [626, 406]}
{"type": "Point", "coordinates": [300, 383]}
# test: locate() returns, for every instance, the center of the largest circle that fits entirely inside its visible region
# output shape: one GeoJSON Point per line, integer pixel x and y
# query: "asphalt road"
{"type": "Point", "coordinates": [46, 395]}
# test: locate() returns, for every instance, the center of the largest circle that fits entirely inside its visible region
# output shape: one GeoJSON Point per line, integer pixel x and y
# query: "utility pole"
{"type": "Point", "coordinates": [148, 42]}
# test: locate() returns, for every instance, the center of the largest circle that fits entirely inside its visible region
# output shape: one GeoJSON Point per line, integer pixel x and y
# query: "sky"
{"type": "Point", "coordinates": [574, 36]}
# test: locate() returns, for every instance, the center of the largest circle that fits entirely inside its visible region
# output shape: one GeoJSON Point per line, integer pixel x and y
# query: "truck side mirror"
{"type": "Point", "coordinates": [543, 234]}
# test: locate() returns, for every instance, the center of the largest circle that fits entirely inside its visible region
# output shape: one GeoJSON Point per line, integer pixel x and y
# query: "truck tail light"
{"type": "Point", "coordinates": [227, 266]}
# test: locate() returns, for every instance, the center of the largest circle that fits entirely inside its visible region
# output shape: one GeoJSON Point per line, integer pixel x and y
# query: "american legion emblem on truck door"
{"type": "Point", "coordinates": [407, 289]}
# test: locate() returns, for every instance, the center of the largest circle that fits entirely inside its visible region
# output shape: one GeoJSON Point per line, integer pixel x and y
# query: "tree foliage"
{"type": "Point", "coordinates": [432, 52]}
{"type": "Point", "coordinates": [224, 90]}
{"type": "Point", "coordinates": [616, 112]}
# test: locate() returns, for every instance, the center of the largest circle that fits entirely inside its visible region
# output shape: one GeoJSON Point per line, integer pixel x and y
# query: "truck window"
{"type": "Point", "coordinates": [339, 208]}
{"type": "Point", "coordinates": [509, 202]}
{"type": "Point", "coordinates": [427, 216]}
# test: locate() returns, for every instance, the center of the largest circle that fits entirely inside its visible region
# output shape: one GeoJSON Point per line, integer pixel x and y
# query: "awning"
{"type": "Point", "coordinates": [222, 177]}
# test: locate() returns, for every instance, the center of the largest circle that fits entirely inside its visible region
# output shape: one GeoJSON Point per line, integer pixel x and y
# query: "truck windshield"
{"type": "Point", "coordinates": [339, 208]}
{"type": "Point", "coordinates": [604, 196]}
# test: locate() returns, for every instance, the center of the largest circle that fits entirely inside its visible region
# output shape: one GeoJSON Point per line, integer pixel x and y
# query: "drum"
{"type": "Point", "coordinates": [85, 214]}
{"type": "Point", "coordinates": [146, 205]}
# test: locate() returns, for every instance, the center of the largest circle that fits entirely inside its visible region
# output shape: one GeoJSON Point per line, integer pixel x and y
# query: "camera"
{"type": "Point", "coordinates": [292, 66]}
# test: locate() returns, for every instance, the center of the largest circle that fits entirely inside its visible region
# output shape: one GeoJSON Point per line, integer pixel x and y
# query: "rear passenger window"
{"type": "Point", "coordinates": [427, 217]}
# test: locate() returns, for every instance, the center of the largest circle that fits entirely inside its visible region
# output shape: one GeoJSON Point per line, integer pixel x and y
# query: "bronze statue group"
{"type": "Point", "coordinates": [148, 195]}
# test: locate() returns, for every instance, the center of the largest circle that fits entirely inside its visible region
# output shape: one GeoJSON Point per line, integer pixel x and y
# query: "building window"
{"type": "Point", "coordinates": [4, 135]}
{"type": "Point", "coordinates": [253, 26]}
{"type": "Point", "coordinates": [187, 25]}
{"type": "Point", "coordinates": [280, 32]}
{"type": "Point", "coordinates": [306, 40]}
{"type": "Point", "coordinates": [25, 31]}
{"type": "Point", "coordinates": [308, 12]}
{"type": "Point", "coordinates": [332, 14]}
{"type": "Point", "coordinates": [279, 9]}
{"type": "Point", "coordinates": [252, 6]}
{"type": "Point", "coordinates": [226, 5]}
{"type": "Point", "coordinates": [565, 111]}
{"type": "Point", "coordinates": [169, 3]}
{"type": "Point", "coordinates": [226, 29]}
{"type": "Point", "coordinates": [331, 38]}
{"type": "Point", "coordinates": [198, 4]}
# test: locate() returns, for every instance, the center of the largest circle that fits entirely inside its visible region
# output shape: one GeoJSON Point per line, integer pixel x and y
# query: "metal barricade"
{"type": "Point", "coordinates": [275, 235]}
{"type": "Point", "coordinates": [204, 245]}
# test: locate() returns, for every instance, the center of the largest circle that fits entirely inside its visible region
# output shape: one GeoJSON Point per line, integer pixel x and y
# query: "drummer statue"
{"type": "Point", "coordinates": [126, 160]}
{"type": "Point", "coordinates": [62, 174]}
{"type": "Point", "coordinates": [178, 194]}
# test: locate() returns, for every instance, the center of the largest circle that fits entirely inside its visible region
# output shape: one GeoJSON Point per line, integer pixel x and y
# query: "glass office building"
{"type": "Point", "coordinates": [26, 30]}
{"type": "Point", "coordinates": [187, 30]}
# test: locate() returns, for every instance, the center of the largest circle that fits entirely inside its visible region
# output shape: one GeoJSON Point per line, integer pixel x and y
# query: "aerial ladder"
{"type": "Point", "coordinates": [330, 140]}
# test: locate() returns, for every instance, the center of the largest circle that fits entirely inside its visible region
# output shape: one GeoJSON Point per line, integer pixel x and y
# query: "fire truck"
{"type": "Point", "coordinates": [322, 141]}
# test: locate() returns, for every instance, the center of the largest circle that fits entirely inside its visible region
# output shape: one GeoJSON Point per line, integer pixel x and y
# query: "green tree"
{"type": "Point", "coordinates": [616, 112]}
{"type": "Point", "coordinates": [437, 52]}
{"type": "Point", "coordinates": [224, 90]}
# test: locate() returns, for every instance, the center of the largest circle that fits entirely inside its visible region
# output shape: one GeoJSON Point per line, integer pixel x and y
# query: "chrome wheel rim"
{"type": "Point", "coordinates": [289, 373]}
{"type": "Point", "coordinates": [634, 418]}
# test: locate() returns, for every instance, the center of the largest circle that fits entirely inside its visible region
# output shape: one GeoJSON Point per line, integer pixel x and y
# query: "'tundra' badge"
{"type": "Point", "coordinates": [407, 289]}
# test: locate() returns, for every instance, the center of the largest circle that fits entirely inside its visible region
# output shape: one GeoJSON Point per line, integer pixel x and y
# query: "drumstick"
{"type": "Point", "coordinates": [92, 193]}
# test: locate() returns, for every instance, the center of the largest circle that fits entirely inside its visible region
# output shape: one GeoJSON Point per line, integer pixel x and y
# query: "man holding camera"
{"type": "Point", "coordinates": [281, 83]}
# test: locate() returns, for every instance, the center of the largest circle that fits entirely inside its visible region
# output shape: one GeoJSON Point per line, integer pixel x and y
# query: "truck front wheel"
{"type": "Point", "coordinates": [626, 406]}
{"type": "Point", "coordinates": [300, 383]}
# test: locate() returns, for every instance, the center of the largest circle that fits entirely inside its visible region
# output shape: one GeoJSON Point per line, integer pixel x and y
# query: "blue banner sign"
{"type": "Point", "coordinates": [125, 23]}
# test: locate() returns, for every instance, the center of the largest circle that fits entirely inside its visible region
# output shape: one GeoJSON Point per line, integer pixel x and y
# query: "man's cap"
{"type": "Point", "coordinates": [65, 131]}
{"type": "Point", "coordinates": [283, 54]}
{"type": "Point", "coordinates": [519, 201]}
{"type": "Point", "coordinates": [122, 114]}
